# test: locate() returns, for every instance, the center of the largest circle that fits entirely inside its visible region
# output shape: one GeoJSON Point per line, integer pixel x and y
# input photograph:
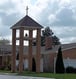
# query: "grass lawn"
{"type": "Point", "coordinates": [48, 75]}
{"type": "Point", "coordinates": [5, 71]}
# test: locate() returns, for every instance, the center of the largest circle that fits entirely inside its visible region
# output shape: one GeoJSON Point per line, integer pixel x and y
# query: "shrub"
{"type": "Point", "coordinates": [59, 62]}
{"type": "Point", "coordinates": [70, 70]}
{"type": "Point", "coordinates": [2, 68]}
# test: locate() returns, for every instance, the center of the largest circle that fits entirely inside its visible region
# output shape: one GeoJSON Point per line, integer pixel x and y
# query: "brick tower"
{"type": "Point", "coordinates": [26, 23]}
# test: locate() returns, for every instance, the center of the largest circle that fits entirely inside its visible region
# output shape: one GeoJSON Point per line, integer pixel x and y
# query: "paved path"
{"type": "Point", "coordinates": [20, 77]}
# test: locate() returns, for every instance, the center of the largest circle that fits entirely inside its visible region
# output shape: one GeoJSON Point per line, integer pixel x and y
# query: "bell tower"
{"type": "Point", "coordinates": [26, 23]}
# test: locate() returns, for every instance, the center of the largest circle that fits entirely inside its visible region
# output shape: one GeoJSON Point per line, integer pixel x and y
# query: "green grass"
{"type": "Point", "coordinates": [48, 75]}
{"type": "Point", "coordinates": [5, 71]}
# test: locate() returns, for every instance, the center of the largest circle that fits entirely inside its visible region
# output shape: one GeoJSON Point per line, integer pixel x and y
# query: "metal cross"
{"type": "Point", "coordinates": [27, 10]}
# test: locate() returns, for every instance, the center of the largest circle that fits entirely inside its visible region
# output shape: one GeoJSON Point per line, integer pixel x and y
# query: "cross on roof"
{"type": "Point", "coordinates": [27, 10]}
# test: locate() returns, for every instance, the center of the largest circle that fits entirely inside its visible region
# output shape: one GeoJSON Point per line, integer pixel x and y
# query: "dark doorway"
{"type": "Point", "coordinates": [17, 57]}
{"type": "Point", "coordinates": [33, 65]}
{"type": "Point", "coordinates": [0, 60]}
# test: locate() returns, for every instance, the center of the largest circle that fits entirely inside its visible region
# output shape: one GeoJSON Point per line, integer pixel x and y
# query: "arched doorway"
{"type": "Point", "coordinates": [33, 65]}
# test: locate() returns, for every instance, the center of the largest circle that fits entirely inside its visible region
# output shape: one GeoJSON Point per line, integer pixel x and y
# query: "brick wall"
{"type": "Point", "coordinates": [49, 58]}
{"type": "Point", "coordinates": [48, 61]}
{"type": "Point", "coordinates": [71, 53]}
{"type": "Point", "coordinates": [48, 43]}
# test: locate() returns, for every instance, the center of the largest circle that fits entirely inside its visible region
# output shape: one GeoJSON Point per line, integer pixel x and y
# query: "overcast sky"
{"type": "Point", "coordinates": [59, 15]}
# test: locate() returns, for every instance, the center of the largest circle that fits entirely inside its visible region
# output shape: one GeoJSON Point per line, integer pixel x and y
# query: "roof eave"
{"type": "Point", "coordinates": [26, 27]}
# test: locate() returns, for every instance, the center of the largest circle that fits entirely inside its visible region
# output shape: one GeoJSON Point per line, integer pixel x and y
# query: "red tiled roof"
{"type": "Point", "coordinates": [27, 22]}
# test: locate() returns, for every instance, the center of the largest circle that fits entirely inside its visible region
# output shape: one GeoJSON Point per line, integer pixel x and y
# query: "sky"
{"type": "Point", "coordinates": [59, 15]}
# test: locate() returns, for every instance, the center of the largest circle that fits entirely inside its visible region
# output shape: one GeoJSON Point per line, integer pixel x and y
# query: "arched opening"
{"type": "Point", "coordinates": [33, 65]}
{"type": "Point", "coordinates": [17, 57]}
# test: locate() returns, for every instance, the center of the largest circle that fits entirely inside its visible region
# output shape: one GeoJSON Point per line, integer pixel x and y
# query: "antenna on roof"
{"type": "Point", "coordinates": [27, 10]}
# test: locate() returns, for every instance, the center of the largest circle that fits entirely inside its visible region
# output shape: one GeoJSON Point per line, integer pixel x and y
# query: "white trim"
{"type": "Point", "coordinates": [67, 49]}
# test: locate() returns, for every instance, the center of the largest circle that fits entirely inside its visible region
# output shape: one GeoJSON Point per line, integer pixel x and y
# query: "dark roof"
{"type": "Point", "coordinates": [43, 51]}
{"type": "Point", "coordinates": [64, 47]}
{"type": "Point", "coordinates": [26, 22]}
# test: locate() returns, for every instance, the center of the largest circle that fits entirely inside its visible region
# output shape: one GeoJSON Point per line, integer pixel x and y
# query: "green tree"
{"type": "Point", "coordinates": [56, 40]}
{"type": "Point", "coordinates": [45, 33]}
{"type": "Point", "coordinates": [4, 42]}
{"type": "Point", "coordinates": [48, 32]}
{"type": "Point", "coordinates": [59, 62]}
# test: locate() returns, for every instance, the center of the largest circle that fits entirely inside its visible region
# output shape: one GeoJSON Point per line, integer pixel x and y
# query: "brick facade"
{"type": "Point", "coordinates": [48, 59]}
{"type": "Point", "coordinates": [48, 42]}
{"type": "Point", "coordinates": [49, 62]}
{"type": "Point", "coordinates": [71, 53]}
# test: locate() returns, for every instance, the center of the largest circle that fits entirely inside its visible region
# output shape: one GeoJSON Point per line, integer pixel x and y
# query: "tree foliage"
{"type": "Point", "coordinates": [59, 62]}
{"type": "Point", "coordinates": [56, 40]}
{"type": "Point", "coordinates": [48, 32]}
{"type": "Point", "coordinates": [45, 33]}
{"type": "Point", "coordinates": [4, 42]}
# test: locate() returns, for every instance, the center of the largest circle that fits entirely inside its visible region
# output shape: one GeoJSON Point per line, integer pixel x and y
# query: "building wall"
{"type": "Point", "coordinates": [48, 62]}
{"type": "Point", "coordinates": [71, 53]}
{"type": "Point", "coordinates": [69, 58]}
{"type": "Point", "coordinates": [25, 62]}
{"type": "Point", "coordinates": [50, 59]}
{"type": "Point", "coordinates": [5, 61]}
